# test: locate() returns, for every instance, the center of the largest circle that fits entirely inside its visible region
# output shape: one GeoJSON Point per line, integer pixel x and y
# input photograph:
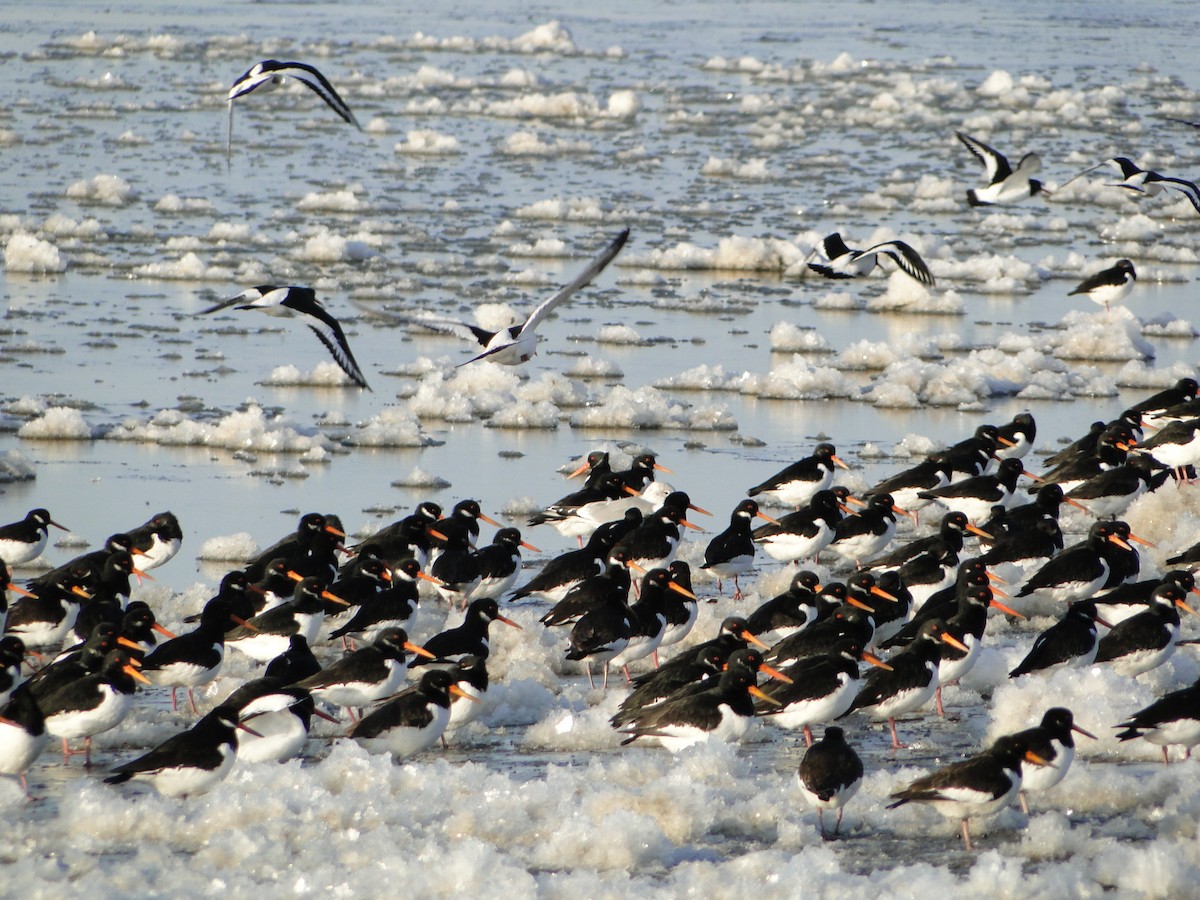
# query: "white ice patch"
{"type": "Point", "coordinates": [31, 255]}
{"type": "Point", "coordinates": [59, 423]}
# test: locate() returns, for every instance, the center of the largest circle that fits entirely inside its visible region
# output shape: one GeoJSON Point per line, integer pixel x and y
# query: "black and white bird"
{"type": "Point", "coordinates": [1173, 718]}
{"type": "Point", "coordinates": [821, 688]}
{"type": "Point", "coordinates": [797, 484]}
{"type": "Point", "coordinates": [158, 539]}
{"type": "Point", "coordinates": [1148, 639]}
{"type": "Point", "coordinates": [830, 774]}
{"type": "Point", "coordinates": [1071, 641]}
{"type": "Point", "coordinates": [92, 704]}
{"type": "Point", "coordinates": [731, 553]}
{"type": "Point", "coordinates": [1004, 183]}
{"type": "Point", "coordinates": [366, 675]}
{"type": "Point", "coordinates": [979, 786]}
{"type": "Point", "coordinates": [723, 712]}
{"type": "Point", "coordinates": [1108, 286]}
{"type": "Point", "coordinates": [290, 301]}
{"type": "Point", "coordinates": [25, 540]}
{"type": "Point", "coordinates": [1078, 571]}
{"type": "Point", "coordinates": [863, 536]}
{"type": "Point", "coordinates": [190, 762]}
{"type": "Point", "coordinates": [843, 262]}
{"type": "Point", "coordinates": [1176, 446]}
{"type": "Point", "coordinates": [412, 720]}
{"type": "Point", "coordinates": [193, 659]}
{"type": "Point", "coordinates": [23, 735]}
{"type": "Point", "coordinates": [1143, 181]}
{"type": "Point", "coordinates": [976, 496]}
{"type": "Point", "coordinates": [270, 74]}
{"type": "Point", "coordinates": [268, 634]}
{"type": "Point", "coordinates": [1052, 741]}
{"type": "Point", "coordinates": [470, 637]}
{"type": "Point", "coordinates": [518, 343]}
{"type": "Point", "coordinates": [910, 682]}
{"type": "Point", "coordinates": [802, 534]}
{"type": "Point", "coordinates": [280, 715]}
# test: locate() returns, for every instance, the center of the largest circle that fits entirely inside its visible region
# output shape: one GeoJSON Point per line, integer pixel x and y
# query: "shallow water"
{"type": "Point", "coordinates": [822, 120]}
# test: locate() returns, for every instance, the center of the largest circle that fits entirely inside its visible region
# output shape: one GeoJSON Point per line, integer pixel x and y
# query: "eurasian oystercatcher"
{"type": "Point", "coordinates": [830, 774]}
{"type": "Point", "coordinates": [844, 262]}
{"type": "Point", "coordinates": [1004, 183]}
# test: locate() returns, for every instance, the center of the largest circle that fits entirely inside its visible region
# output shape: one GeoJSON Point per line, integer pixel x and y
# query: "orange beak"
{"type": "Point", "coordinates": [335, 532]}
{"type": "Point", "coordinates": [855, 602]}
{"type": "Point", "coordinates": [529, 546]}
{"type": "Point", "coordinates": [699, 509]}
{"type": "Point", "coordinates": [876, 661]}
{"type": "Point", "coordinates": [80, 592]}
{"type": "Point", "coordinates": [1004, 609]}
{"type": "Point", "coordinates": [775, 673]}
{"type": "Point", "coordinates": [762, 695]}
{"type": "Point", "coordinates": [420, 651]}
{"type": "Point", "coordinates": [838, 461]}
{"type": "Point", "coordinates": [126, 642]}
{"type": "Point", "coordinates": [750, 638]}
{"type": "Point", "coordinates": [880, 592]}
{"type": "Point", "coordinates": [950, 639]}
{"type": "Point", "coordinates": [663, 469]}
{"type": "Point", "coordinates": [135, 674]}
{"type": "Point", "coordinates": [1001, 439]}
{"type": "Point", "coordinates": [459, 692]}
{"type": "Point", "coordinates": [979, 531]}
{"type": "Point", "coordinates": [333, 598]}
{"type": "Point", "coordinates": [1077, 505]}
{"type": "Point", "coordinates": [509, 622]}
{"type": "Point", "coordinates": [763, 515]}
{"type": "Point", "coordinates": [16, 589]}
{"type": "Point", "coordinates": [686, 524]}
{"type": "Point", "coordinates": [1115, 539]}
{"type": "Point", "coordinates": [244, 623]}
{"type": "Point", "coordinates": [1142, 541]}
{"type": "Point", "coordinates": [680, 589]}
{"type": "Point", "coordinates": [1084, 732]}
{"type": "Point", "coordinates": [295, 576]}
{"type": "Point", "coordinates": [486, 518]}
{"type": "Point", "coordinates": [431, 579]}
{"type": "Point", "coordinates": [433, 532]}
{"type": "Point", "coordinates": [162, 631]}
{"type": "Point", "coordinates": [583, 468]}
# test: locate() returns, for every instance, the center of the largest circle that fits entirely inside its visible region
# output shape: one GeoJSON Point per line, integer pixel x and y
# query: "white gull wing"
{"type": "Point", "coordinates": [584, 278]}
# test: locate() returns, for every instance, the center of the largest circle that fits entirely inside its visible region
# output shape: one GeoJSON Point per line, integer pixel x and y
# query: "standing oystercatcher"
{"type": "Point", "coordinates": [830, 774]}
{"type": "Point", "coordinates": [1071, 641]}
{"type": "Point", "coordinates": [366, 675]}
{"type": "Point", "coordinates": [979, 786]}
{"type": "Point", "coordinates": [1173, 718]}
{"type": "Point", "coordinates": [731, 553]}
{"type": "Point", "coordinates": [92, 704]}
{"type": "Point", "coordinates": [23, 541]}
{"type": "Point", "coordinates": [1147, 640]}
{"type": "Point", "coordinates": [190, 762]}
{"type": "Point", "coordinates": [1108, 286]}
{"type": "Point", "coordinates": [796, 484]}
{"type": "Point", "coordinates": [1051, 741]}
{"type": "Point", "coordinates": [193, 659]}
{"type": "Point", "coordinates": [412, 720]}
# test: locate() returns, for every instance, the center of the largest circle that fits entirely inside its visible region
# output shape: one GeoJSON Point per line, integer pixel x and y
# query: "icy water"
{"type": "Point", "coordinates": [503, 145]}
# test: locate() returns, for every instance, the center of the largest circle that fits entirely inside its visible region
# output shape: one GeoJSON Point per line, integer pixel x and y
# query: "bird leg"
{"type": "Point", "coordinates": [896, 745]}
{"type": "Point", "coordinates": [192, 701]}
{"type": "Point", "coordinates": [604, 686]}
{"type": "Point", "coordinates": [68, 752]}
{"type": "Point", "coordinates": [1166, 756]}
{"type": "Point", "coordinates": [174, 703]}
{"type": "Point", "coordinates": [821, 823]}
{"type": "Point", "coordinates": [87, 752]}
{"type": "Point", "coordinates": [628, 677]}
{"type": "Point", "coordinates": [808, 737]}
{"type": "Point", "coordinates": [966, 835]}
{"type": "Point", "coordinates": [838, 827]}
{"type": "Point", "coordinates": [591, 682]}
{"type": "Point", "coordinates": [1024, 803]}
{"type": "Point", "coordinates": [941, 710]}
{"type": "Point", "coordinates": [737, 590]}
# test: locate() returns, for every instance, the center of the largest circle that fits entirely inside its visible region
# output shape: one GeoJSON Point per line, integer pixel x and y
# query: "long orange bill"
{"type": "Point", "coordinates": [420, 651]}
{"type": "Point", "coordinates": [1103, 622]}
{"type": "Point", "coordinates": [876, 661]}
{"type": "Point", "coordinates": [1084, 732]}
{"type": "Point", "coordinates": [132, 645]}
{"type": "Point", "coordinates": [630, 564]}
{"type": "Point", "coordinates": [334, 531]}
{"type": "Point", "coordinates": [135, 674]}
{"type": "Point", "coordinates": [1116, 539]}
{"type": "Point", "coordinates": [1029, 474]}
{"type": "Point", "coordinates": [1184, 606]}
{"type": "Point", "coordinates": [1077, 505]}
{"type": "Point", "coordinates": [663, 469]}
{"type": "Point", "coordinates": [431, 579]}
{"type": "Point", "coordinates": [850, 498]}
{"type": "Point", "coordinates": [244, 623]}
{"type": "Point", "coordinates": [80, 592]}
{"type": "Point", "coordinates": [753, 639]}
{"type": "Point", "coordinates": [162, 631]}
{"type": "Point", "coordinates": [775, 673]}
{"type": "Point", "coordinates": [134, 551]}
{"type": "Point", "coordinates": [686, 524]}
{"type": "Point", "coordinates": [763, 695]}
{"type": "Point", "coordinates": [900, 512]}
{"type": "Point", "coordinates": [333, 598]}
{"type": "Point", "coordinates": [1004, 609]}
{"type": "Point", "coordinates": [979, 531]}
{"type": "Point", "coordinates": [326, 716]}
{"type": "Point", "coordinates": [529, 546]}
{"type": "Point", "coordinates": [433, 532]}
{"type": "Point", "coordinates": [950, 639]}
{"type": "Point", "coordinates": [1142, 541]}
{"type": "Point", "coordinates": [1032, 757]}
{"type": "Point", "coordinates": [510, 622]}
{"type": "Point", "coordinates": [140, 574]}
{"type": "Point", "coordinates": [486, 518]}
{"type": "Point", "coordinates": [246, 728]}
{"type": "Point", "coordinates": [844, 508]}
{"type": "Point", "coordinates": [680, 589]}
{"type": "Point", "coordinates": [838, 461]}
{"type": "Point", "coordinates": [763, 515]}
{"type": "Point", "coordinates": [459, 692]}
{"type": "Point", "coordinates": [295, 576]}
{"type": "Point", "coordinates": [699, 509]}
{"type": "Point", "coordinates": [1001, 439]}
{"type": "Point", "coordinates": [855, 602]}
{"type": "Point", "coordinates": [17, 589]}
{"type": "Point", "coordinates": [583, 468]}
{"type": "Point", "coordinates": [630, 491]}
{"type": "Point", "coordinates": [880, 592]}
{"type": "Point", "coordinates": [386, 575]}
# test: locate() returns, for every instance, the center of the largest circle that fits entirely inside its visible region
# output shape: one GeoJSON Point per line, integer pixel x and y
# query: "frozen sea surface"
{"type": "Point", "coordinates": [502, 146]}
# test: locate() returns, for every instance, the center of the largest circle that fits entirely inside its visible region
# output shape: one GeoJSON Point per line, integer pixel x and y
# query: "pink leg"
{"type": "Point", "coordinates": [1024, 803]}
{"type": "Point", "coordinates": [941, 710]}
{"type": "Point", "coordinates": [192, 700]}
{"type": "Point", "coordinates": [966, 835]}
{"type": "Point", "coordinates": [174, 704]}
{"type": "Point", "coordinates": [808, 738]}
{"type": "Point", "coordinates": [896, 745]}
{"type": "Point", "coordinates": [737, 590]}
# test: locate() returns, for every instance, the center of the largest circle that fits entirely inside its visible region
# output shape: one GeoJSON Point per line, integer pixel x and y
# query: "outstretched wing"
{"type": "Point", "coordinates": [263, 296]}
{"type": "Point", "coordinates": [1182, 185]}
{"type": "Point", "coordinates": [329, 332]}
{"type": "Point", "coordinates": [995, 164]}
{"type": "Point", "coordinates": [270, 69]}
{"type": "Point", "coordinates": [584, 278]}
{"type": "Point", "coordinates": [906, 258]}
{"type": "Point", "coordinates": [463, 330]}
